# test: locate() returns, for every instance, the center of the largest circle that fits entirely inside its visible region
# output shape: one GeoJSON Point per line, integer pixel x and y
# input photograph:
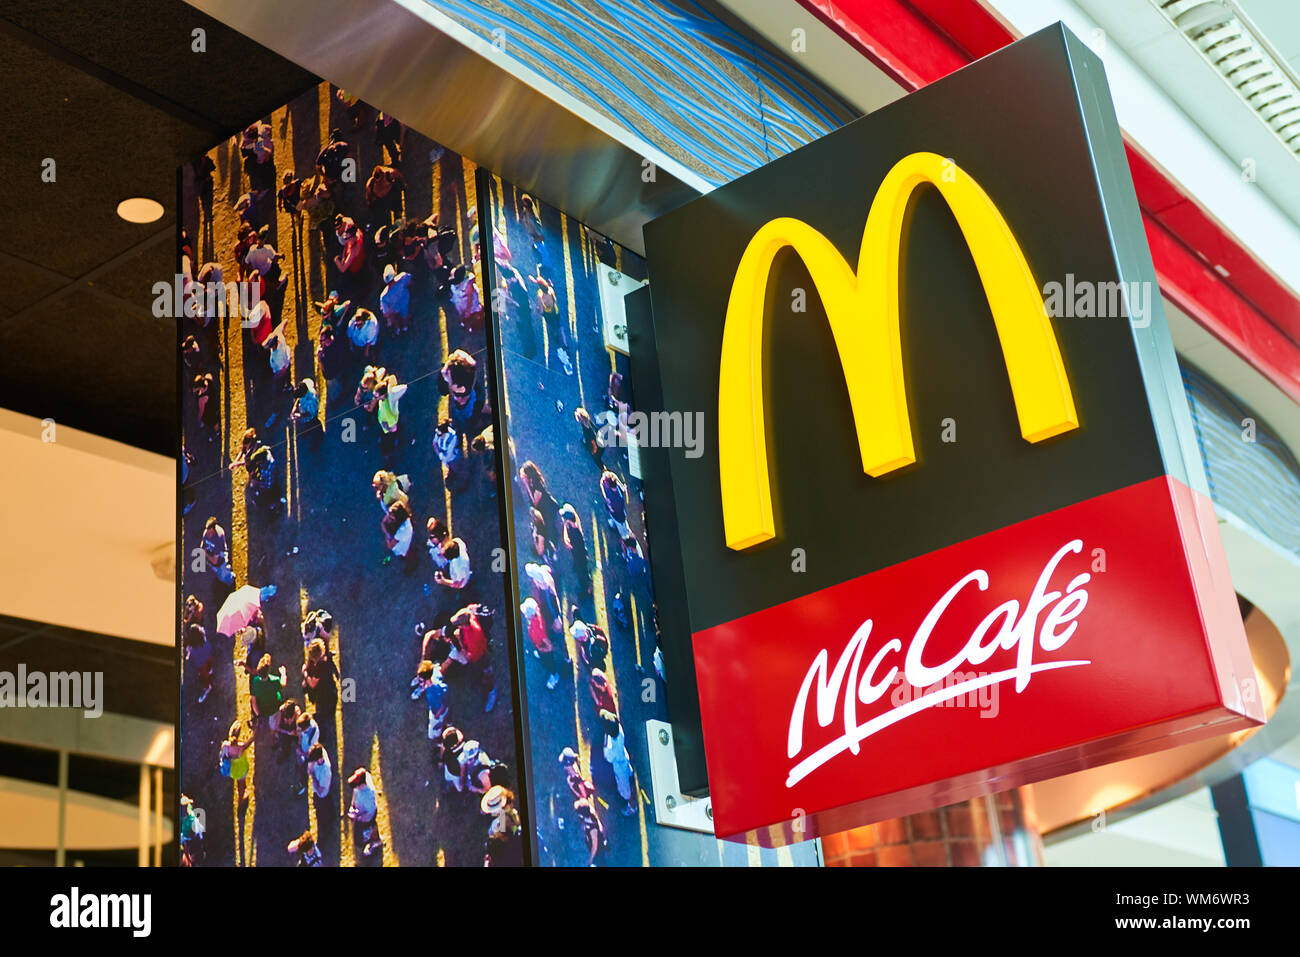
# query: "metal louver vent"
{"type": "Point", "coordinates": [1230, 44]}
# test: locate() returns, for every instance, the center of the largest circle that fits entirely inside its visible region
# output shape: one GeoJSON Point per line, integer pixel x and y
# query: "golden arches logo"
{"type": "Point", "coordinates": [862, 309]}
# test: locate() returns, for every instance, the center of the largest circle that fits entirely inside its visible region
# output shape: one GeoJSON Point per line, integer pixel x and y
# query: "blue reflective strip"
{"type": "Point", "coordinates": [717, 119]}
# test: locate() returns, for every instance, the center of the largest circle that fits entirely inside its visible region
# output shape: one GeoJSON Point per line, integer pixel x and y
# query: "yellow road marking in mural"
{"type": "Point", "coordinates": [293, 490]}
{"type": "Point", "coordinates": [238, 531]}
{"type": "Point", "coordinates": [440, 860]}
{"type": "Point", "coordinates": [571, 316]}
{"type": "Point", "coordinates": [324, 100]}
{"type": "Point", "coordinates": [641, 804]}
{"type": "Point", "coordinates": [290, 307]}
{"type": "Point", "coordinates": [237, 538]}
{"type": "Point", "coordinates": [468, 171]}
{"type": "Point", "coordinates": [636, 627]}
{"type": "Point", "coordinates": [443, 401]}
{"type": "Point", "coordinates": [645, 834]}
{"type": "Point", "coordinates": [598, 588]}
{"type": "Point", "coordinates": [602, 619]}
{"type": "Point", "coordinates": [312, 824]}
{"type": "Point", "coordinates": [347, 857]}
{"type": "Point", "coordinates": [244, 712]}
{"type": "Point", "coordinates": [314, 318]}
{"type": "Point", "coordinates": [381, 806]}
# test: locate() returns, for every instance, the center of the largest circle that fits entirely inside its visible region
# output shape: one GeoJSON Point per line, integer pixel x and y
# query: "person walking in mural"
{"type": "Point", "coordinates": [519, 312]}
{"type": "Point", "coordinates": [557, 327]}
{"type": "Point", "coordinates": [320, 775]}
{"type": "Point", "coordinates": [590, 437]}
{"type": "Point", "coordinates": [540, 636]}
{"type": "Point", "coordinates": [503, 831]}
{"type": "Point", "coordinates": [205, 388]}
{"type": "Point", "coordinates": [351, 261]}
{"type": "Point", "coordinates": [306, 403]}
{"type": "Point", "coordinates": [320, 677]}
{"type": "Point", "coordinates": [384, 191]}
{"type": "Point", "coordinates": [266, 689]}
{"type": "Point", "coordinates": [614, 492]}
{"type": "Point", "coordinates": [593, 831]}
{"type": "Point", "coordinates": [576, 544]}
{"type": "Point", "coordinates": [389, 135]}
{"type": "Point", "coordinates": [362, 811]}
{"type": "Point", "coordinates": [217, 551]}
{"type": "Point", "coordinates": [398, 531]}
{"type": "Point", "coordinates": [465, 299]}
{"type": "Point", "coordinates": [395, 300]}
{"type": "Point", "coordinates": [198, 659]}
{"type": "Point", "coordinates": [430, 685]}
{"type": "Point", "coordinates": [533, 484]}
{"type": "Point", "coordinates": [458, 380]}
{"type": "Point", "coordinates": [363, 332]}
{"type": "Point", "coordinates": [456, 554]}
{"type": "Point", "coordinates": [233, 762]}
{"type": "Point", "coordinates": [388, 396]}
{"type": "Point", "coordinates": [469, 640]}
{"type": "Point", "coordinates": [531, 222]}
{"type": "Point", "coordinates": [261, 480]}
{"type": "Point", "coordinates": [305, 851]}
{"type": "Point", "coordinates": [615, 752]}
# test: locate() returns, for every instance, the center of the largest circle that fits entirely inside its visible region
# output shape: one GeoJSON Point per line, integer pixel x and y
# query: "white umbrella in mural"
{"type": "Point", "coordinates": [240, 607]}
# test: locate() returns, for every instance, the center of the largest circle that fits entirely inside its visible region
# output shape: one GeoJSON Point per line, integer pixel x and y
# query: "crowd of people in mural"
{"type": "Point", "coordinates": [575, 623]}
{"type": "Point", "coordinates": [266, 398]}
{"type": "Point", "coordinates": [328, 283]}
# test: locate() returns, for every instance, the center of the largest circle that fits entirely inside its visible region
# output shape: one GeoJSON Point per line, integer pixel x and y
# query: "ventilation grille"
{"type": "Point", "coordinates": [1243, 58]}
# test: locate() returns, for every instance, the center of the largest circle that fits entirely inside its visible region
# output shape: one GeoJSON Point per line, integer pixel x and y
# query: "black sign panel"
{"type": "Point", "coordinates": [1033, 125]}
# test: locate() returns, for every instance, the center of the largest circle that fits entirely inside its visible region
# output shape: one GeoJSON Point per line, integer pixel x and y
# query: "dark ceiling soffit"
{"type": "Point", "coordinates": [397, 61]}
{"type": "Point", "coordinates": [115, 80]}
{"type": "Point", "coordinates": [27, 315]}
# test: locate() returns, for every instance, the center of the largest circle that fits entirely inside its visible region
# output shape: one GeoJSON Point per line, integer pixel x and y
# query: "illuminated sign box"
{"type": "Point", "coordinates": [950, 532]}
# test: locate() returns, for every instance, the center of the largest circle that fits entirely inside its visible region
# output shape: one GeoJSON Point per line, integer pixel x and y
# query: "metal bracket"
{"type": "Point", "coordinates": [613, 286]}
{"type": "Point", "coordinates": [672, 807]}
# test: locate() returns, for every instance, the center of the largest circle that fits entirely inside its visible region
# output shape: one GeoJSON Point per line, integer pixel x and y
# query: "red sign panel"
{"type": "Point", "coordinates": [1094, 633]}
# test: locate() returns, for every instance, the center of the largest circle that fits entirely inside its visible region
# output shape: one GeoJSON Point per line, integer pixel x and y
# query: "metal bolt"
{"type": "Point", "coordinates": [663, 736]}
{"type": "Point", "coordinates": [670, 802]}
{"type": "Point", "coordinates": [708, 811]}
{"type": "Point", "coordinates": [615, 277]}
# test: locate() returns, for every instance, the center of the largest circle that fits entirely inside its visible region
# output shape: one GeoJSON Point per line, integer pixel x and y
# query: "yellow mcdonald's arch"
{"type": "Point", "coordinates": [862, 308]}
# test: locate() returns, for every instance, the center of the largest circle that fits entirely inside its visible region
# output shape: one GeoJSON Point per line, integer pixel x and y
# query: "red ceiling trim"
{"type": "Point", "coordinates": [1241, 302]}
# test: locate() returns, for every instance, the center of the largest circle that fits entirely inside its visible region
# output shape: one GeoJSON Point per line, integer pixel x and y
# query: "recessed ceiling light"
{"type": "Point", "coordinates": [137, 209]}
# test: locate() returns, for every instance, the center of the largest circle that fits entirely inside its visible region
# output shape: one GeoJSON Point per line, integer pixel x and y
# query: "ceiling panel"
{"type": "Point", "coordinates": [94, 365]}
{"type": "Point", "coordinates": [117, 97]}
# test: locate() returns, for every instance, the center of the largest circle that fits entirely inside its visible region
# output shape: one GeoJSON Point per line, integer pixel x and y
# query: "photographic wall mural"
{"type": "Point", "coordinates": [592, 674]}
{"type": "Point", "coordinates": [346, 695]}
